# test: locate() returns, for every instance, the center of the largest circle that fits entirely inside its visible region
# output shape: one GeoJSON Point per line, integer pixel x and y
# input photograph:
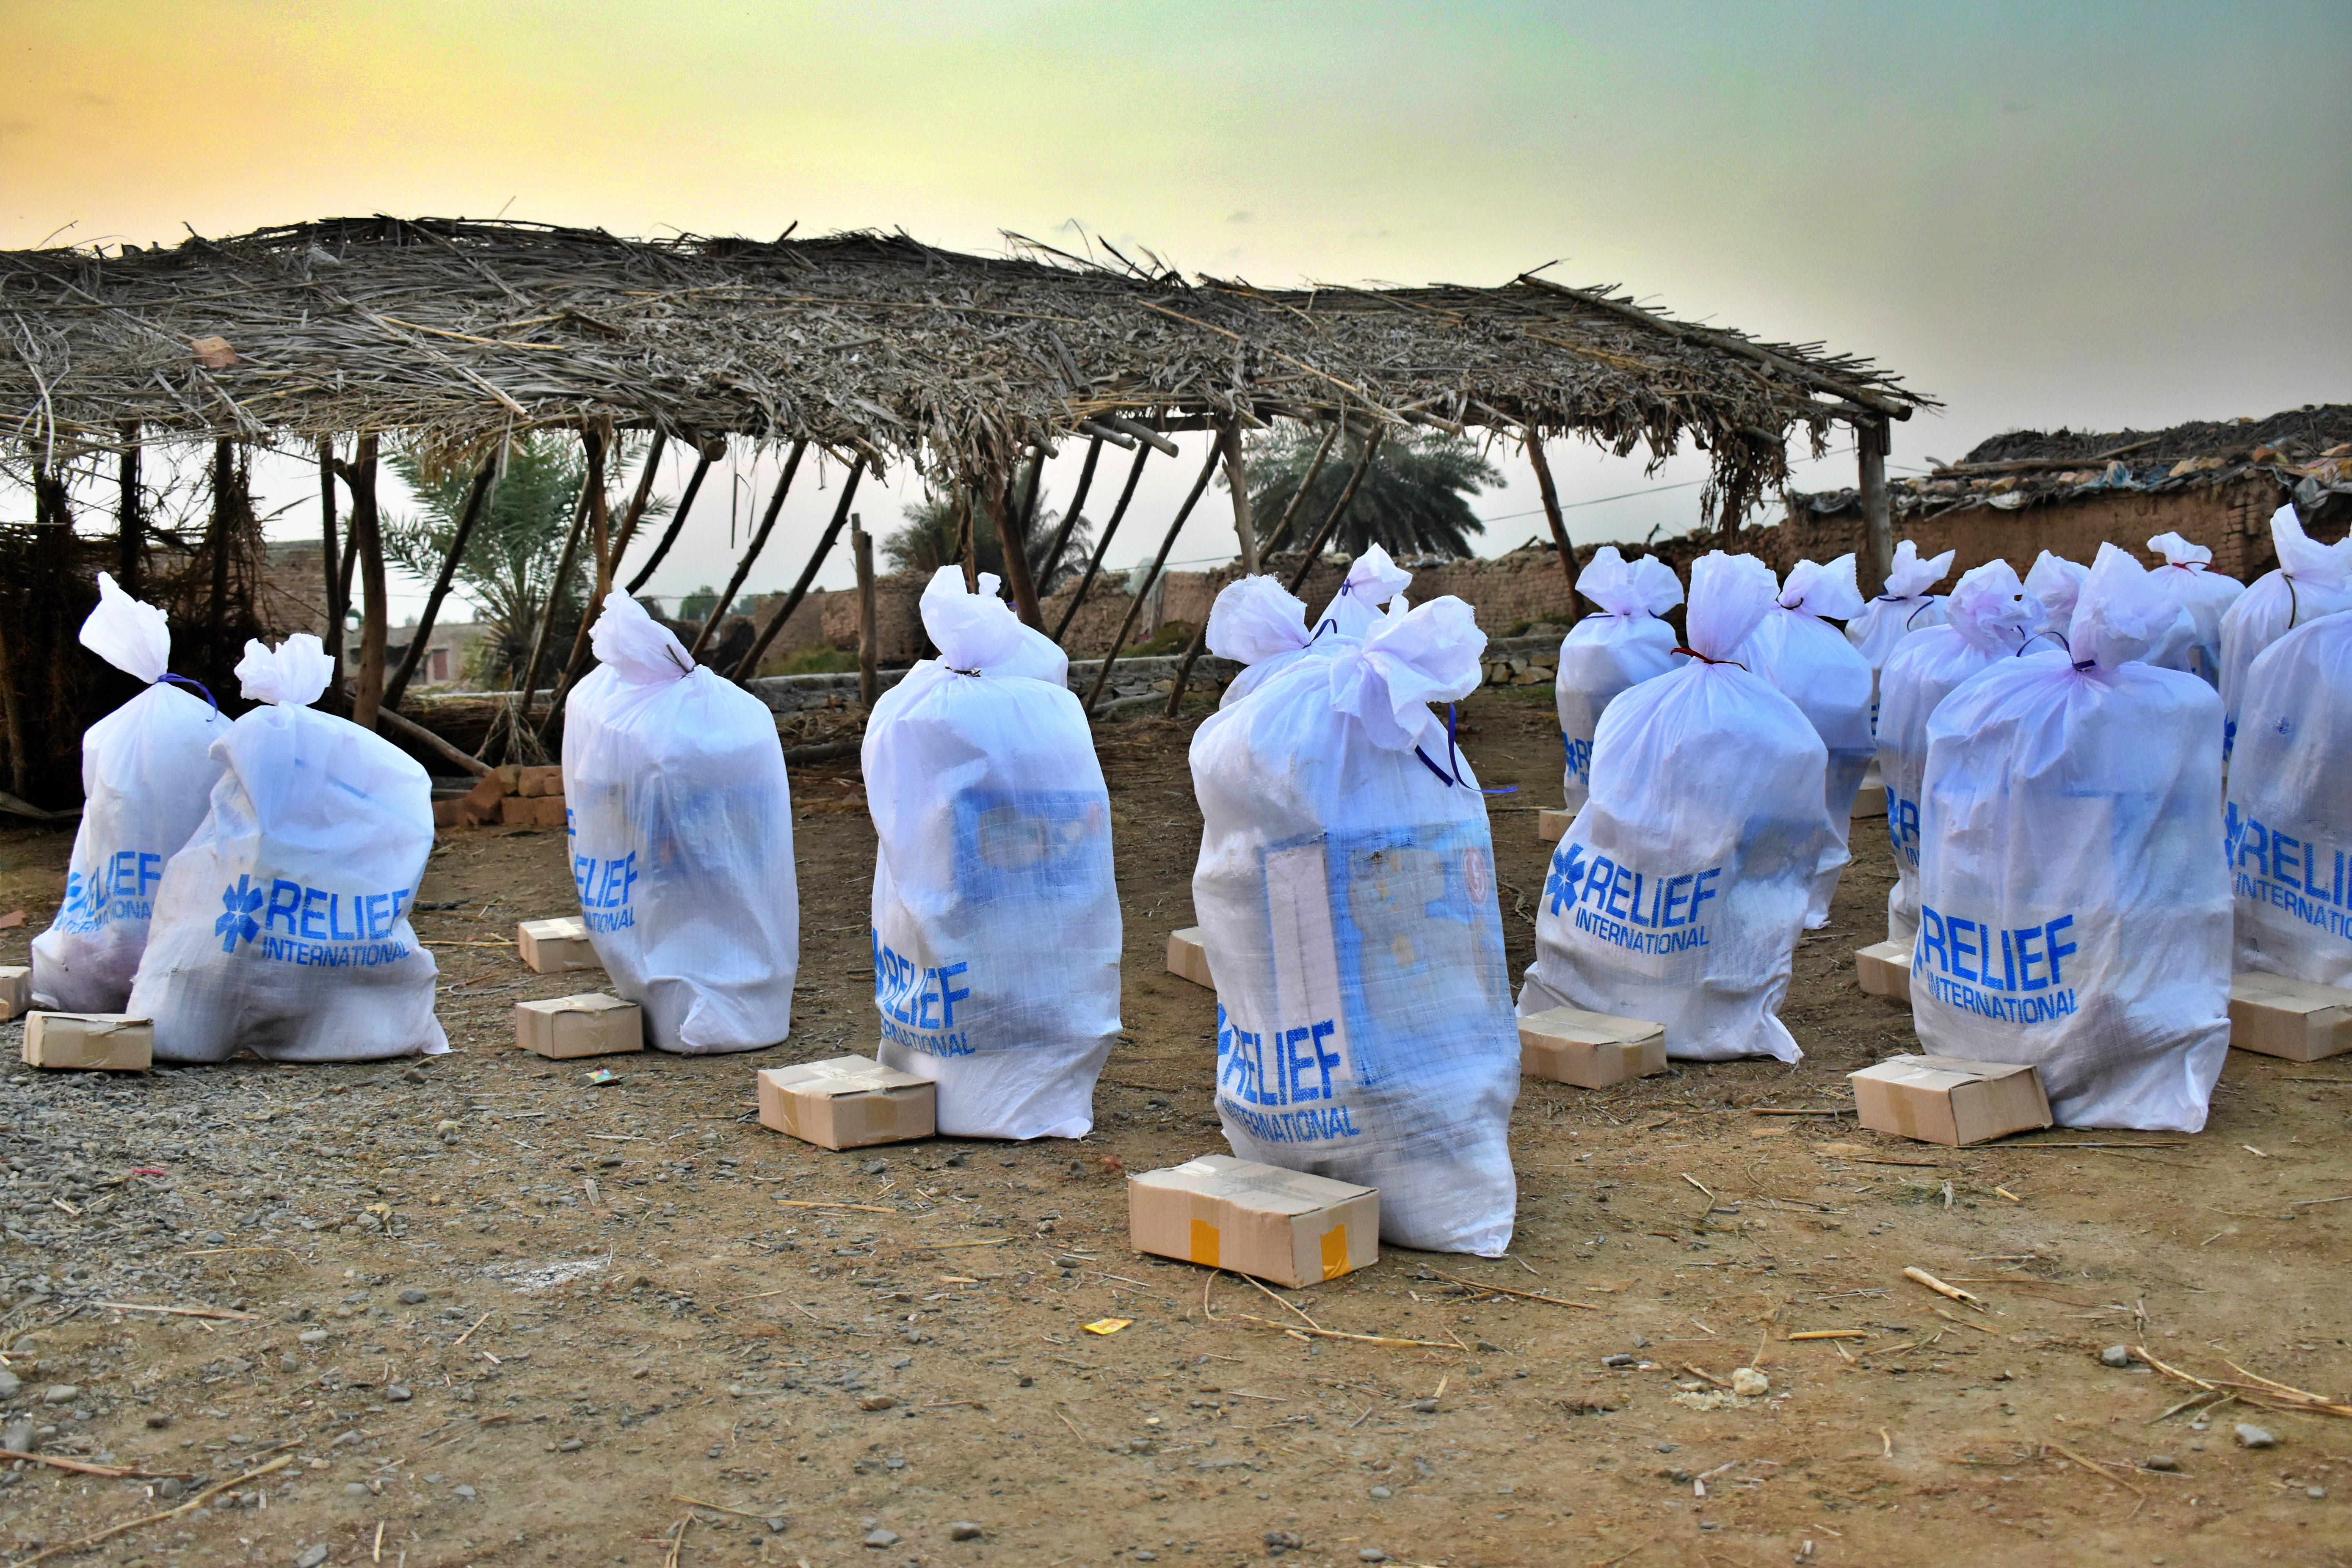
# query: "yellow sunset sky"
{"type": "Point", "coordinates": [2042, 214]}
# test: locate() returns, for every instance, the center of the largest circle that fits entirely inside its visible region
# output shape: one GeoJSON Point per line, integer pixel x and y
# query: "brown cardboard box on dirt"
{"type": "Point", "coordinates": [1590, 1050]}
{"type": "Point", "coordinates": [1261, 1220]}
{"type": "Point", "coordinates": [1551, 824]}
{"type": "Point", "coordinates": [847, 1102]}
{"type": "Point", "coordinates": [1187, 959]}
{"type": "Point", "coordinates": [2298, 1019]}
{"type": "Point", "coordinates": [108, 1042]}
{"type": "Point", "coordinates": [1884, 969]}
{"type": "Point", "coordinates": [1947, 1101]}
{"type": "Point", "coordinates": [589, 1025]}
{"type": "Point", "coordinates": [16, 991]}
{"type": "Point", "coordinates": [556, 946]}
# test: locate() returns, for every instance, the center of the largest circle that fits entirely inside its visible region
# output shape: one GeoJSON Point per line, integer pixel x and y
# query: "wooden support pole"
{"type": "Point", "coordinates": [751, 553]}
{"type": "Point", "coordinates": [330, 556]}
{"type": "Point", "coordinates": [130, 521]}
{"type": "Point", "coordinates": [1200, 643]}
{"type": "Point", "coordinates": [476, 502]}
{"type": "Point", "coordinates": [869, 635]}
{"type": "Point", "coordinates": [1338, 508]}
{"type": "Point", "coordinates": [1871, 444]}
{"type": "Point", "coordinates": [1135, 605]}
{"type": "Point", "coordinates": [677, 521]}
{"type": "Point", "coordinates": [964, 549]}
{"type": "Point", "coordinates": [1070, 519]}
{"type": "Point", "coordinates": [1012, 532]}
{"type": "Point", "coordinates": [1542, 466]}
{"type": "Point", "coordinates": [600, 522]}
{"type": "Point", "coordinates": [216, 545]}
{"type": "Point", "coordinates": [367, 692]}
{"type": "Point", "coordinates": [1102, 545]}
{"type": "Point", "coordinates": [639, 501]}
{"type": "Point", "coordinates": [546, 628]}
{"type": "Point", "coordinates": [808, 575]}
{"type": "Point", "coordinates": [578, 660]}
{"type": "Point", "coordinates": [1229, 441]}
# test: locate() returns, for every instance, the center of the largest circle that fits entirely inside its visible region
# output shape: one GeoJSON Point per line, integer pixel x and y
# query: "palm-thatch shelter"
{"type": "Point", "coordinates": [453, 335]}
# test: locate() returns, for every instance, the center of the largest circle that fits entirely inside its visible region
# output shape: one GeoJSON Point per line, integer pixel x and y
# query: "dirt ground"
{"type": "Point", "coordinates": [487, 1314]}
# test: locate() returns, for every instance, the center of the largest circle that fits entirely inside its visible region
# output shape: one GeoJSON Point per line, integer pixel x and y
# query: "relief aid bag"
{"type": "Point", "coordinates": [1346, 898]}
{"type": "Point", "coordinates": [995, 917]}
{"type": "Point", "coordinates": [1371, 581]}
{"type": "Point", "coordinates": [2289, 825]}
{"type": "Point", "coordinates": [1904, 607]}
{"type": "Point", "coordinates": [2311, 580]}
{"type": "Point", "coordinates": [2202, 595]}
{"type": "Point", "coordinates": [1989, 617]}
{"type": "Point", "coordinates": [2054, 584]}
{"type": "Point", "coordinates": [1830, 681]}
{"type": "Point", "coordinates": [1609, 653]}
{"type": "Point", "coordinates": [680, 831]}
{"type": "Point", "coordinates": [1679, 891]}
{"type": "Point", "coordinates": [2072, 915]}
{"type": "Point", "coordinates": [282, 927]}
{"type": "Point", "coordinates": [147, 777]}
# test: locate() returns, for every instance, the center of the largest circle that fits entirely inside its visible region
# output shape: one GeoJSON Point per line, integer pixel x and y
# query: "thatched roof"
{"type": "Point", "coordinates": [451, 332]}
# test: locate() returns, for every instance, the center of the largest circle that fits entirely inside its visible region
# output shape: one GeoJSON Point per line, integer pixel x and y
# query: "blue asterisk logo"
{"type": "Point", "coordinates": [238, 924]}
{"type": "Point", "coordinates": [1567, 874]}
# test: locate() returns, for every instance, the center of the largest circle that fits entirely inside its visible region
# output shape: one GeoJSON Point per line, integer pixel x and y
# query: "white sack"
{"type": "Point", "coordinates": [1990, 617]}
{"type": "Point", "coordinates": [147, 777]}
{"type": "Point", "coordinates": [1904, 608]}
{"type": "Point", "coordinates": [996, 920]}
{"type": "Point", "coordinates": [1346, 898]}
{"type": "Point", "coordinates": [680, 832]}
{"type": "Point", "coordinates": [2055, 583]}
{"type": "Point", "coordinates": [282, 927]}
{"type": "Point", "coordinates": [2072, 914]}
{"type": "Point", "coordinates": [1372, 581]}
{"type": "Point", "coordinates": [2202, 595]}
{"type": "Point", "coordinates": [1829, 680]}
{"type": "Point", "coordinates": [2290, 819]}
{"type": "Point", "coordinates": [1679, 891]}
{"type": "Point", "coordinates": [1603, 655]}
{"type": "Point", "coordinates": [2311, 580]}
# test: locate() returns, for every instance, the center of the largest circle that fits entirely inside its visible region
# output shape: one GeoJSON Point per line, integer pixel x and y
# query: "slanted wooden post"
{"type": "Point", "coordinates": [1070, 518]}
{"type": "Point", "coordinates": [546, 628]}
{"type": "Point", "coordinates": [965, 552]}
{"type": "Point", "coordinates": [1229, 441]}
{"type": "Point", "coordinates": [476, 502]}
{"type": "Point", "coordinates": [1542, 466]}
{"type": "Point", "coordinates": [330, 556]}
{"type": "Point", "coordinates": [677, 521]}
{"type": "Point", "coordinates": [1135, 605]}
{"type": "Point", "coordinates": [869, 636]}
{"type": "Point", "coordinates": [131, 525]}
{"type": "Point", "coordinates": [1012, 533]}
{"type": "Point", "coordinates": [600, 520]}
{"type": "Point", "coordinates": [367, 692]}
{"type": "Point", "coordinates": [1102, 545]}
{"type": "Point", "coordinates": [750, 661]}
{"type": "Point", "coordinates": [752, 552]}
{"type": "Point", "coordinates": [224, 523]}
{"type": "Point", "coordinates": [638, 503]}
{"type": "Point", "coordinates": [1871, 443]}
{"type": "Point", "coordinates": [608, 559]}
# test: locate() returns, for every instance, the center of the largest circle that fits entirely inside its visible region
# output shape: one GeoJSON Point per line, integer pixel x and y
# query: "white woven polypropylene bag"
{"type": "Point", "coordinates": [996, 919]}
{"type": "Point", "coordinates": [147, 777]}
{"type": "Point", "coordinates": [1904, 607]}
{"type": "Point", "coordinates": [1989, 617]}
{"type": "Point", "coordinates": [2290, 816]}
{"type": "Point", "coordinates": [1612, 652]}
{"type": "Point", "coordinates": [1346, 899]}
{"type": "Point", "coordinates": [1679, 891]}
{"type": "Point", "coordinates": [281, 928]}
{"type": "Point", "coordinates": [1371, 581]}
{"type": "Point", "coordinates": [2311, 580]}
{"type": "Point", "coordinates": [2072, 915]}
{"type": "Point", "coordinates": [680, 831]}
{"type": "Point", "coordinates": [2203, 594]}
{"type": "Point", "coordinates": [1830, 681]}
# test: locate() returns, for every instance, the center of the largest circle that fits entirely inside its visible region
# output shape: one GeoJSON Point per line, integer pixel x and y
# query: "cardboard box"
{"type": "Point", "coordinates": [531, 782]}
{"type": "Point", "coordinates": [1591, 1050]}
{"type": "Point", "coordinates": [1885, 970]}
{"type": "Point", "coordinates": [111, 1042]}
{"type": "Point", "coordinates": [2298, 1019]}
{"type": "Point", "coordinates": [1261, 1220]}
{"type": "Point", "coordinates": [554, 947]}
{"type": "Point", "coordinates": [16, 991]}
{"type": "Point", "coordinates": [589, 1024]}
{"type": "Point", "coordinates": [847, 1102]}
{"type": "Point", "coordinates": [1187, 959]}
{"type": "Point", "coordinates": [1551, 826]}
{"type": "Point", "coordinates": [1947, 1101]}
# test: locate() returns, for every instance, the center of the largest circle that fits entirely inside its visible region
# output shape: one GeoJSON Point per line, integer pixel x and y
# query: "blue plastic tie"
{"type": "Point", "coordinates": [195, 685]}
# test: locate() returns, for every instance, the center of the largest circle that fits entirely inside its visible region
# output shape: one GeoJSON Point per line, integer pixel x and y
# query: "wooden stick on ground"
{"type": "Point", "coordinates": [198, 1500]}
{"type": "Point", "coordinates": [1921, 1277]}
{"type": "Point", "coordinates": [1523, 1295]}
{"type": "Point", "coordinates": [1317, 1333]}
{"type": "Point", "coordinates": [219, 1312]}
{"type": "Point", "coordinates": [110, 1472]}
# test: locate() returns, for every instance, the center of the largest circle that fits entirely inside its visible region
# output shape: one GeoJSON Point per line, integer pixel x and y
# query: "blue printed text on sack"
{"type": "Point", "coordinates": [1644, 911]}
{"type": "Point", "coordinates": [295, 923]}
{"type": "Point", "coordinates": [606, 888]}
{"type": "Point", "coordinates": [2020, 981]}
{"type": "Point", "coordinates": [117, 891]}
{"type": "Point", "coordinates": [1286, 1066]}
{"type": "Point", "coordinates": [1903, 828]}
{"type": "Point", "coordinates": [917, 1002]}
{"type": "Point", "coordinates": [2309, 881]}
{"type": "Point", "coordinates": [1579, 756]}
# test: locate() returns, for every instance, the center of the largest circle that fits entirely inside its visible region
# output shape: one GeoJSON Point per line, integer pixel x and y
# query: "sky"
{"type": "Point", "coordinates": [2045, 213]}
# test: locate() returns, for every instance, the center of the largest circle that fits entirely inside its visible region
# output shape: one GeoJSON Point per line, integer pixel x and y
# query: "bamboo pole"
{"type": "Point", "coordinates": [1542, 466]}
{"type": "Point", "coordinates": [130, 522]}
{"type": "Point", "coordinates": [1012, 533]}
{"type": "Point", "coordinates": [1237, 480]}
{"type": "Point", "coordinates": [545, 628]}
{"type": "Point", "coordinates": [677, 521]}
{"type": "Point", "coordinates": [1135, 605]}
{"type": "Point", "coordinates": [1338, 508]}
{"type": "Point", "coordinates": [808, 575]}
{"type": "Point", "coordinates": [1070, 518]}
{"type": "Point", "coordinates": [752, 552]}
{"type": "Point", "coordinates": [869, 640]}
{"type": "Point", "coordinates": [476, 502]}
{"type": "Point", "coordinates": [367, 693]}
{"type": "Point", "coordinates": [578, 660]}
{"type": "Point", "coordinates": [600, 521]}
{"type": "Point", "coordinates": [1871, 443]}
{"type": "Point", "coordinates": [330, 555]}
{"type": "Point", "coordinates": [216, 611]}
{"type": "Point", "coordinates": [639, 501]}
{"type": "Point", "coordinates": [1200, 642]}
{"type": "Point", "coordinates": [1102, 545]}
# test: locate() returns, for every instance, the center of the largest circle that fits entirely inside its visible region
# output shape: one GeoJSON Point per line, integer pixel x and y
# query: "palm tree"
{"type": "Point", "coordinates": [934, 525]}
{"type": "Point", "coordinates": [1412, 501]}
